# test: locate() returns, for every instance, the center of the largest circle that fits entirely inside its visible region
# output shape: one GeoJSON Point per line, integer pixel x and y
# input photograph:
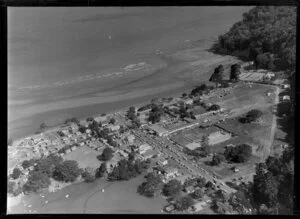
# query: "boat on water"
{"type": "Point", "coordinates": [102, 190]}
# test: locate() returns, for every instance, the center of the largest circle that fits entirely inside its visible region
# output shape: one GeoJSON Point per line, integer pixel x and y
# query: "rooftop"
{"type": "Point", "coordinates": [158, 129]}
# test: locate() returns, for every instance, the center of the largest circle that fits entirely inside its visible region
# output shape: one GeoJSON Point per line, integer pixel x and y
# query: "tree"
{"type": "Point", "coordinates": [235, 71]}
{"type": "Point", "coordinates": [217, 159]}
{"type": "Point", "coordinates": [217, 76]}
{"type": "Point", "coordinates": [221, 207]}
{"type": "Point", "coordinates": [112, 121]}
{"type": "Point", "coordinates": [16, 173]}
{"type": "Point", "coordinates": [259, 38]}
{"type": "Point", "coordinates": [107, 154]}
{"type": "Point", "coordinates": [251, 116]}
{"type": "Point", "coordinates": [152, 186]}
{"type": "Point", "coordinates": [67, 171]}
{"type": "Point", "coordinates": [47, 165]}
{"type": "Point", "coordinates": [198, 193]}
{"type": "Point", "coordinates": [238, 154]}
{"type": "Point", "coordinates": [88, 175]}
{"type": "Point", "coordinates": [172, 188]}
{"type": "Point", "coordinates": [26, 164]}
{"type": "Point", "coordinates": [89, 119]}
{"type": "Point", "coordinates": [214, 107]}
{"type": "Point", "coordinates": [82, 129]}
{"type": "Point", "coordinates": [36, 181]}
{"type": "Point", "coordinates": [184, 95]}
{"type": "Point", "coordinates": [183, 203]}
{"type": "Point", "coordinates": [101, 171]}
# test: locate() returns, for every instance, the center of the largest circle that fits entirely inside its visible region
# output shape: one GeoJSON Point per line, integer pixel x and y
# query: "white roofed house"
{"type": "Point", "coordinates": [162, 161]}
{"type": "Point", "coordinates": [188, 101]}
{"type": "Point", "coordinates": [130, 138]}
{"type": "Point", "coordinates": [171, 172]}
{"type": "Point", "coordinates": [149, 154]}
{"type": "Point", "coordinates": [114, 127]}
{"type": "Point", "coordinates": [160, 131]}
{"type": "Point", "coordinates": [143, 148]}
{"type": "Point", "coordinates": [286, 97]}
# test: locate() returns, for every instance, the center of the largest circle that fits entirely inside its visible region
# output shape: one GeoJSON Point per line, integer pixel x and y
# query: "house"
{"type": "Point", "coordinates": [188, 101]}
{"type": "Point", "coordinates": [169, 208]}
{"type": "Point", "coordinates": [143, 148]}
{"type": "Point", "coordinates": [73, 148]}
{"type": "Point", "coordinates": [130, 138]}
{"type": "Point", "coordinates": [285, 86]}
{"type": "Point", "coordinates": [189, 189]}
{"type": "Point", "coordinates": [199, 205]}
{"type": "Point", "coordinates": [171, 172]}
{"type": "Point", "coordinates": [269, 75]}
{"type": "Point", "coordinates": [193, 145]}
{"type": "Point", "coordinates": [122, 153]}
{"type": "Point", "coordinates": [286, 97]}
{"type": "Point", "coordinates": [162, 161]}
{"type": "Point", "coordinates": [88, 131]}
{"type": "Point", "coordinates": [114, 127]}
{"type": "Point", "coordinates": [149, 154]}
{"type": "Point", "coordinates": [81, 143]}
{"type": "Point", "coordinates": [68, 151]}
{"type": "Point", "coordinates": [160, 131]}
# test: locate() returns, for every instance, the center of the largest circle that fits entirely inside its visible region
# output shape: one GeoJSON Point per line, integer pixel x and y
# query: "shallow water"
{"type": "Point", "coordinates": [58, 54]}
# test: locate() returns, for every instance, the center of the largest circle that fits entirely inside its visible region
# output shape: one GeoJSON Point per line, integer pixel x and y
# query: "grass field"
{"type": "Point", "coordinates": [85, 156]}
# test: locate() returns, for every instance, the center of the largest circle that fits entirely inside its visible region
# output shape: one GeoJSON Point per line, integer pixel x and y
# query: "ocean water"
{"type": "Point", "coordinates": [77, 61]}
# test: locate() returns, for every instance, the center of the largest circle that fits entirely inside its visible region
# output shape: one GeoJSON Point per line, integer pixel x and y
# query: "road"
{"type": "Point", "coordinates": [174, 152]}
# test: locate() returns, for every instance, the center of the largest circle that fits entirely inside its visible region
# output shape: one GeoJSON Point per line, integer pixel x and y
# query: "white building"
{"type": "Point", "coordinates": [286, 97]}
{"type": "Point", "coordinates": [143, 148]}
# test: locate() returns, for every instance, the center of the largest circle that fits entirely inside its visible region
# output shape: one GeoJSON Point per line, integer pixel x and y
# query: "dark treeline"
{"type": "Point", "coordinates": [266, 35]}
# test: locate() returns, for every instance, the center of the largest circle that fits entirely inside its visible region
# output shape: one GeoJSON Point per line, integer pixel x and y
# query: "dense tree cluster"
{"type": "Point", "coordinates": [67, 171]}
{"type": "Point", "coordinates": [88, 175]}
{"type": "Point", "coordinates": [238, 154]}
{"type": "Point", "coordinates": [172, 188]}
{"type": "Point", "coordinates": [266, 35]}
{"type": "Point", "coordinates": [156, 112]}
{"type": "Point", "coordinates": [36, 181]}
{"type": "Point", "coordinates": [182, 203]}
{"type": "Point", "coordinates": [126, 169]}
{"type": "Point", "coordinates": [273, 183]}
{"type": "Point", "coordinates": [152, 186]}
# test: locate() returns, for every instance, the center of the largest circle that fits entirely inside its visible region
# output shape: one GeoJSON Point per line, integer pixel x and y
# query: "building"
{"type": "Point", "coordinates": [149, 154]}
{"type": "Point", "coordinates": [188, 101]}
{"type": "Point", "coordinates": [171, 172]}
{"type": "Point", "coordinates": [160, 131]}
{"type": "Point", "coordinates": [218, 137]}
{"type": "Point", "coordinates": [269, 75]}
{"type": "Point", "coordinates": [193, 145]}
{"type": "Point", "coordinates": [114, 127]}
{"type": "Point", "coordinates": [286, 97]}
{"type": "Point", "coordinates": [130, 138]}
{"type": "Point", "coordinates": [162, 161]}
{"type": "Point", "coordinates": [199, 205]}
{"type": "Point", "coordinates": [143, 148]}
{"type": "Point", "coordinates": [285, 86]}
{"type": "Point", "coordinates": [189, 189]}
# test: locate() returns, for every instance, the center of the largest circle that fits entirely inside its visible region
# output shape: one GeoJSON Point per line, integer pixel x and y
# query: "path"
{"type": "Point", "coordinates": [94, 193]}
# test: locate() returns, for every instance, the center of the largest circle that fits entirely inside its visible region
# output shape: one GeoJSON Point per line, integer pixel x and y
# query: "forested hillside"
{"type": "Point", "coordinates": [266, 35]}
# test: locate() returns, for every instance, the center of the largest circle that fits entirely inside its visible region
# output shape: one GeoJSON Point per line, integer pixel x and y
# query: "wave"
{"type": "Point", "coordinates": [127, 69]}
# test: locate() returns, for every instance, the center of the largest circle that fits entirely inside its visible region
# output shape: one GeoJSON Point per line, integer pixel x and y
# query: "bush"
{"type": "Point", "coordinates": [16, 173]}
{"type": "Point", "coordinates": [67, 171]}
{"type": "Point", "coordinates": [152, 186]}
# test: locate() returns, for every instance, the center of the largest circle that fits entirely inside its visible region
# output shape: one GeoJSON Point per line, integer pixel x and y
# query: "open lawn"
{"type": "Point", "coordinates": [244, 95]}
{"type": "Point", "coordinates": [85, 156]}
